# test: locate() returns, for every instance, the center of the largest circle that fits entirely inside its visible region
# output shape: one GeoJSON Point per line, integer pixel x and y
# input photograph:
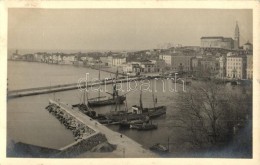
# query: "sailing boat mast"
{"type": "Point", "coordinates": [85, 95]}
{"type": "Point", "coordinates": [114, 91]}
{"type": "Point", "coordinates": [116, 83]}
{"type": "Point", "coordinates": [153, 97]}
{"type": "Point", "coordinates": [99, 80]}
{"type": "Point", "coordinates": [141, 103]}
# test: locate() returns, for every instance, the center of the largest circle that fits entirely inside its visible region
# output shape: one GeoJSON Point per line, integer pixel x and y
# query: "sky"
{"type": "Point", "coordinates": [121, 29]}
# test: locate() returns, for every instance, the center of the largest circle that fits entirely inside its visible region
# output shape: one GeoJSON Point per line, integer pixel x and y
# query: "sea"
{"type": "Point", "coordinates": [28, 121]}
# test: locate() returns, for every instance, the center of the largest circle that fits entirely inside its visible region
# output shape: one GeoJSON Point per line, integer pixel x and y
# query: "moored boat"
{"type": "Point", "coordinates": [159, 148]}
{"type": "Point", "coordinates": [126, 124]}
{"type": "Point", "coordinates": [152, 112]}
{"type": "Point", "coordinates": [109, 101]}
{"type": "Point", "coordinates": [116, 98]}
{"type": "Point", "coordinates": [144, 126]}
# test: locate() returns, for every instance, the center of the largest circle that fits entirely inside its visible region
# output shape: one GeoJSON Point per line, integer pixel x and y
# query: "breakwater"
{"type": "Point", "coordinates": [102, 135]}
{"type": "Point", "coordinates": [77, 127]}
{"type": "Point", "coordinates": [85, 136]}
{"type": "Point", "coordinates": [65, 87]}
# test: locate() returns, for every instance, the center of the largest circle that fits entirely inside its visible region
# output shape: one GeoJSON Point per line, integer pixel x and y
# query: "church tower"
{"type": "Point", "coordinates": [236, 37]}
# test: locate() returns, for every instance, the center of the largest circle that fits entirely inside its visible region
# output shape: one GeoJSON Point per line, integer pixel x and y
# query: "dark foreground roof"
{"type": "Point", "coordinates": [21, 149]}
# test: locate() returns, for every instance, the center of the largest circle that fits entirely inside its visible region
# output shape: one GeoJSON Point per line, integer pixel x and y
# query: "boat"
{"type": "Point", "coordinates": [126, 124]}
{"type": "Point", "coordinates": [234, 82]}
{"type": "Point", "coordinates": [182, 81]}
{"type": "Point", "coordinates": [116, 98]}
{"type": "Point", "coordinates": [84, 107]}
{"type": "Point", "coordinates": [109, 101]}
{"type": "Point", "coordinates": [143, 126]}
{"type": "Point", "coordinates": [152, 112]}
{"type": "Point", "coordinates": [159, 148]}
{"type": "Point", "coordinates": [138, 112]}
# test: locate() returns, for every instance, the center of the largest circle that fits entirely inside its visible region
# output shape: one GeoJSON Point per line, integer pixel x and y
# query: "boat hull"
{"type": "Point", "coordinates": [143, 127]}
{"type": "Point", "coordinates": [119, 100]}
{"type": "Point", "coordinates": [150, 112]}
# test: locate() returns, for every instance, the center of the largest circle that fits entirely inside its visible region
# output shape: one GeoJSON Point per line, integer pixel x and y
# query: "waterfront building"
{"type": "Point", "coordinates": [195, 63]}
{"type": "Point", "coordinates": [210, 65]}
{"type": "Point", "coordinates": [118, 61]}
{"type": "Point", "coordinates": [222, 67]}
{"type": "Point", "coordinates": [38, 57]}
{"type": "Point", "coordinates": [28, 57]}
{"type": "Point", "coordinates": [133, 67]}
{"type": "Point", "coordinates": [84, 58]}
{"type": "Point", "coordinates": [181, 63]}
{"type": "Point", "coordinates": [16, 56]}
{"type": "Point", "coordinates": [177, 62]}
{"type": "Point", "coordinates": [147, 67]}
{"type": "Point", "coordinates": [110, 60]}
{"type": "Point", "coordinates": [236, 67]}
{"type": "Point", "coordinates": [56, 58]}
{"type": "Point", "coordinates": [114, 61]}
{"type": "Point", "coordinates": [127, 68]}
{"type": "Point", "coordinates": [159, 65]}
{"type": "Point", "coordinates": [104, 60]}
{"type": "Point", "coordinates": [68, 59]}
{"type": "Point", "coordinates": [249, 69]}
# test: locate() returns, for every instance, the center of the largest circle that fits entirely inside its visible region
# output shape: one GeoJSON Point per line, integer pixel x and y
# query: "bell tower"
{"type": "Point", "coordinates": [236, 37]}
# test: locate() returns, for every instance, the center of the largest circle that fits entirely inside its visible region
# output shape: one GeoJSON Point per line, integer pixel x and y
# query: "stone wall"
{"type": "Point", "coordinates": [83, 146]}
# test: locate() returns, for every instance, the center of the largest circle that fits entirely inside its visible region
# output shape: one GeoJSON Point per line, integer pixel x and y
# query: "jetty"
{"type": "Point", "coordinates": [65, 87]}
{"type": "Point", "coordinates": [125, 147]}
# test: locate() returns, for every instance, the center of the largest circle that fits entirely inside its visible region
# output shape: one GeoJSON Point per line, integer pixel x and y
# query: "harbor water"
{"type": "Point", "coordinates": [29, 122]}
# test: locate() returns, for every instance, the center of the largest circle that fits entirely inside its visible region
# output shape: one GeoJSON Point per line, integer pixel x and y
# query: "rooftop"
{"type": "Point", "coordinates": [248, 43]}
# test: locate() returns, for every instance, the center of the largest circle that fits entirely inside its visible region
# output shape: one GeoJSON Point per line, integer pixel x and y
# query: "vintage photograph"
{"type": "Point", "coordinates": [129, 83]}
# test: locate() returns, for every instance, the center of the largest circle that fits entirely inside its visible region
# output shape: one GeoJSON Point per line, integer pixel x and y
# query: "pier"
{"type": "Point", "coordinates": [64, 87]}
{"type": "Point", "coordinates": [101, 134]}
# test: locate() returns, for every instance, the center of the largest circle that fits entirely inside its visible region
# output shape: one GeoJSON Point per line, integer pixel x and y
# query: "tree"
{"type": "Point", "coordinates": [204, 112]}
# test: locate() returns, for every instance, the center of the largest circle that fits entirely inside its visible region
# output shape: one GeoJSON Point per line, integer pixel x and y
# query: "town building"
{"type": "Point", "coordinates": [104, 60]}
{"type": "Point", "coordinates": [147, 67]}
{"type": "Point", "coordinates": [16, 56]}
{"type": "Point", "coordinates": [177, 62]}
{"type": "Point", "coordinates": [167, 58]}
{"type": "Point", "coordinates": [236, 67]}
{"type": "Point", "coordinates": [195, 63]}
{"type": "Point", "coordinates": [133, 67]}
{"type": "Point", "coordinates": [248, 46]}
{"type": "Point", "coordinates": [68, 59]}
{"type": "Point", "coordinates": [249, 69]}
{"type": "Point", "coordinates": [222, 42]}
{"type": "Point", "coordinates": [38, 57]}
{"type": "Point", "coordinates": [209, 66]}
{"type": "Point", "coordinates": [222, 67]}
{"type": "Point", "coordinates": [217, 42]}
{"type": "Point", "coordinates": [159, 65]}
{"type": "Point", "coordinates": [118, 61]}
{"type": "Point", "coordinates": [114, 61]}
{"type": "Point", "coordinates": [236, 37]}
